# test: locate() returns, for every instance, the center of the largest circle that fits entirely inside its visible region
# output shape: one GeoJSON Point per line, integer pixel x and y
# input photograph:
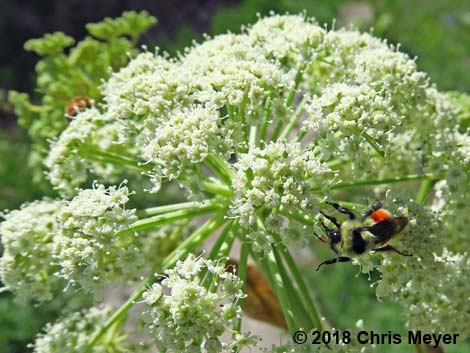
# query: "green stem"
{"type": "Point", "coordinates": [301, 135]}
{"type": "Point", "coordinates": [303, 320]}
{"type": "Point", "coordinates": [220, 167]}
{"type": "Point", "coordinates": [351, 205]}
{"type": "Point", "coordinates": [309, 221]}
{"type": "Point", "coordinates": [277, 131]}
{"type": "Point", "coordinates": [295, 119]}
{"type": "Point", "coordinates": [194, 240]}
{"type": "Point", "coordinates": [217, 188]}
{"type": "Point", "coordinates": [223, 252]}
{"type": "Point", "coordinates": [278, 286]}
{"type": "Point", "coordinates": [297, 216]}
{"type": "Point", "coordinates": [154, 211]}
{"type": "Point", "coordinates": [252, 139]}
{"type": "Point", "coordinates": [373, 144]}
{"type": "Point", "coordinates": [371, 182]}
{"type": "Point", "coordinates": [241, 273]}
{"type": "Point", "coordinates": [297, 79]}
{"type": "Point", "coordinates": [424, 190]}
{"type": "Point", "coordinates": [219, 250]}
{"type": "Point", "coordinates": [312, 311]}
{"type": "Point", "coordinates": [268, 110]}
{"type": "Point", "coordinates": [211, 186]}
{"type": "Point", "coordinates": [113, 158]}
{"type": "Point", "coordinates": [119, 314]}
{"type": "Point", "coordinates": [169, 217]}
{"type": "Point", "coordinates": [224, 242]}
{"type": "Point", "coordinates": [336, 162]}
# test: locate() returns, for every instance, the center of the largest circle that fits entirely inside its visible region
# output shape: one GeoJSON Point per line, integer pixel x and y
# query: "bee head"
{"type": "Point", "coordinates": [335, 236]}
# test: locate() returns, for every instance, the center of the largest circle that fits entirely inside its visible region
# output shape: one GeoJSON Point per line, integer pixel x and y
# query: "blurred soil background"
{"type": "Point", "coordinates": [436, 31]}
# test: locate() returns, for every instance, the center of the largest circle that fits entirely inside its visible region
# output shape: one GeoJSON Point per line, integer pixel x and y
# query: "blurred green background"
{"type": "Point", "coordinates": [435, 31]}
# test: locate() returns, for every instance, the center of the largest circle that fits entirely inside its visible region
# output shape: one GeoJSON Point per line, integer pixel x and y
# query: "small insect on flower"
{"type": "Point", "coordinates": [356, 237]}
{"type": "Point", "coordinates": [78, 104]}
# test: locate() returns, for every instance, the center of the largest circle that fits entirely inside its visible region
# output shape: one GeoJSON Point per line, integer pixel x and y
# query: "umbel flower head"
{"type": "Point", "coordinates": [191, 318]}
{"type": "Point", "coordinates": [272, 121]}
{"type": "Point", "coordinates": [88, 247]}
{"type": "Point", "coordinates": [185, 139]}
{"type": "Point", "coordinates": [359, 103]}
{"type": "Point", "coordinates": [279, 176]}
{"type": "Point", "coordinates": [27, 234]}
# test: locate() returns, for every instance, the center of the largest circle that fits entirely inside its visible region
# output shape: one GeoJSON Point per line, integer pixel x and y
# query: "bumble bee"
{"type": "Point", "coordinates": [356, 237]}
{"type": "Point", "coordinates": [75, 105]}
{"type": "Point", "coordinates": [78, 104]}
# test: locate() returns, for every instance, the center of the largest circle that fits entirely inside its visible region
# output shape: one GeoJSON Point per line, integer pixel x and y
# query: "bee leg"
{"type": "Point", "coordinates": [333, 261]}
{"type": "Point", "coordinates": [392, 249]}
{"type": "Point", "coordinates": [327, 230]}
{"type": "Point", "coordinates": [332, 219]}
{"type": "Point", "coordinates": [319, 237]}
{"type": "Point", "coordinates": [342, 209]}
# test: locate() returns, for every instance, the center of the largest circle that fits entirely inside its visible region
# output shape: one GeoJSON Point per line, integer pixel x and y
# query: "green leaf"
{"type": "Point", "coordinates": [50, 44]}
{"type": "Point", "coordinates": [130, 23]}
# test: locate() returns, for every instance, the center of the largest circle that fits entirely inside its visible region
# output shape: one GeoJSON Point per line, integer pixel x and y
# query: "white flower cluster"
{"type": "Point", "coordinates": [214, 91]}
{"type": "Point", "coordinates": [430, 284]}
{"type": "Point", "coordinates": [367, 104]}
{"type": "Point", "coordinates": [75, 240]}
{"type": "Point", "coordinates": [186, 138]}
{"type": "Point", "coordinates": [146, 87]}
{"type": "Point", "coordinates": [88, 247]}
{"type": "Point", "coordinates": [380, 113]}
{"type": "Point", "coordinates": [421, 238]}
{"type": "Point", "coordinates": [279, 176]}
{"type": "Point", "coordinates": [72, 333]}
{"type": "Point", "coordinates": [453, 207]}
{"type": "Point", "coordinates": [26, 267]}
{"type": "Point", "coordinates": [440, 302]}
{"type": "Point", "coordinates": [191, 318]}
{"type": "Point", "coordinates": [230, 71]}
{"type": "Point", "coordinates": [69, 160]}
{"type": "Point", "coordinates": [291, 40]}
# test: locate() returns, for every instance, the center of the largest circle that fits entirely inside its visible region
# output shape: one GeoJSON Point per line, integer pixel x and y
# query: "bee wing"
{"type": "Point", "coordinates": [386, 229]}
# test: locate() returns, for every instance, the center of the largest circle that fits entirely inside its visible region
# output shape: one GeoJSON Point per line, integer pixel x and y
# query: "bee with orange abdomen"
{"type": "Point", "coordinates": [355, 237]}
{"type": "Point", "coordinates": [78, 104]}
